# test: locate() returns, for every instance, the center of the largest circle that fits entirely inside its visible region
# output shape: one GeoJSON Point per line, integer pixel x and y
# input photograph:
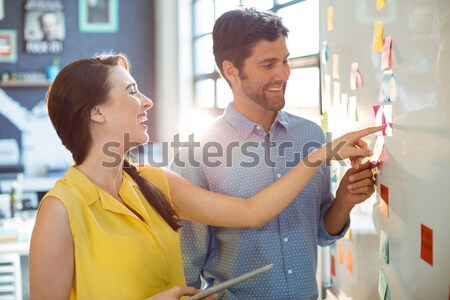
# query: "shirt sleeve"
{"type": "Point", "coordinates": [195, 238]}
{"type": "Point", "coordinates": [325, 238]}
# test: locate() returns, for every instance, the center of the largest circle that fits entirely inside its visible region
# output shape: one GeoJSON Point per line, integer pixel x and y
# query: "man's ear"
{"type": "Point", "coordinates": [229, 70]}
{"type": "Point", "coordinates": [97, 115]}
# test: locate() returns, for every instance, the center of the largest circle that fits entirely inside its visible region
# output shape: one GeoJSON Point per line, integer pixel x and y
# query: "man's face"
{"type": "Point", "coordinates": [264, 75]}
{"type": "Point", "coordinates": [50, 26]}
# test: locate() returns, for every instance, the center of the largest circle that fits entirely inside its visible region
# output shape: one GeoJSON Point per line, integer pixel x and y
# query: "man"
{"type": "Point", "coordinates": [253, 144]}
{"type": "Point", "coordinates": [50, 26]}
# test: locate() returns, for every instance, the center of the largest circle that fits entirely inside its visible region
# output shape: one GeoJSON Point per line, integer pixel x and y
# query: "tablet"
{"type": "Point", "coordinates": [226, 284]}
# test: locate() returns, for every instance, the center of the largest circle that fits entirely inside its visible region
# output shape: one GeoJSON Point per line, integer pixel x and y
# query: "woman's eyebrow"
{"type": "Point", "coordinates": [130, 85]}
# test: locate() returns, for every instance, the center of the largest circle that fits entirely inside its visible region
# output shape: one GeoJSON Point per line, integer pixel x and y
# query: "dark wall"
{"type": "Point", "coordinates": [135, 37]}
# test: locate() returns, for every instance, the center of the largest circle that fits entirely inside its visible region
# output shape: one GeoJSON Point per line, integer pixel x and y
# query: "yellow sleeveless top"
{"type": "Point", "coordinates": [117, 255]}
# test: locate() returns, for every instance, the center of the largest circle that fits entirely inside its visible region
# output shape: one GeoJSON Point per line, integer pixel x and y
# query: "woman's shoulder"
{"type": "Point", "coordinates": [156, 175]}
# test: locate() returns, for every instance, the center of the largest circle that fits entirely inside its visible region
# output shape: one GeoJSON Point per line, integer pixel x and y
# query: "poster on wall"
{"type": "Point", "coordinates": [8, 51]}
{"type": "Point", "coordinates": [44, 28]}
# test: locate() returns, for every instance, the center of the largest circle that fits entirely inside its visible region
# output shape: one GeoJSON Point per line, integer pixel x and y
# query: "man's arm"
{"type": "Point", "coordinates": [356, 186]}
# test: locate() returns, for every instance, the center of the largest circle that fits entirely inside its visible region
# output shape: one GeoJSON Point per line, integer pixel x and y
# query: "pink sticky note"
{"type": "Point", "coordinates": [377, 150]}
{"type": "Point", "coordinates": [355, 77]}
{"type": "Point", "coordinates": [383, 115]}
{"type": "Point", "coordinates": [335, 66]}
{"type": "Point", "coordinates": [387, 55]}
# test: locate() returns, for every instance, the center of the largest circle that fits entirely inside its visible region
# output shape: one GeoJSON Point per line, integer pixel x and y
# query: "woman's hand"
{"type": "Point", "coordinates": [177, 292]}
{"type": "Point", "coordinates": [350, 145]}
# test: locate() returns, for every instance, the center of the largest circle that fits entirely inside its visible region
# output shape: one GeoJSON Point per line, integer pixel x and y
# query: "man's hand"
{"type": "Point", "coordinates": [356, 185]}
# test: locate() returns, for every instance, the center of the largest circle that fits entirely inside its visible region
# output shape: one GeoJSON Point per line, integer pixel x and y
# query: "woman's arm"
{"type": "Point", "coordinates": [51, 253]}
{"type": "Point", "coordinates": [202, 206]}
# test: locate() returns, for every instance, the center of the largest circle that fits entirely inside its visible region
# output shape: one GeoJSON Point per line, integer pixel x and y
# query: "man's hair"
{"type": "Point", "coordinates": [236, 32]}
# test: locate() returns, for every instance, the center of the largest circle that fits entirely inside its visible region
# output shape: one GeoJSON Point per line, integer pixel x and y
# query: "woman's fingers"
{"type": "Point", "coordinates": [369, 130]}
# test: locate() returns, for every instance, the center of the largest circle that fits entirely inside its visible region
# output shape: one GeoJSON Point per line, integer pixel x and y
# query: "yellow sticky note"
{"type": "Point", "coordinates": [330, 18]}
{"type": "Point", "coordinates": [380, 4]}
{"type": "Point", "coordinates": [377, 44]}
{"type": "Point", "coordinates": [348, 234]}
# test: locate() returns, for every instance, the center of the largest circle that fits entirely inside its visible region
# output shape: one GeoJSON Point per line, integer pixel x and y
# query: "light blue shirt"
{"type": "Point", "coordinates": [290, 240]}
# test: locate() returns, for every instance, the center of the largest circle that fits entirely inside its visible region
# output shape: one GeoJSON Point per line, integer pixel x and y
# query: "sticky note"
{"type": "Point", "coordinates": [333, 266]}
{"type": "Point", "coordinates": [426, 244]}
{"type": "Point", "coordinates": [377, 149]}
{"type": "Point", "coordinates": [383, 115]}
{"type": "Point", "coordinates": [324, 53]}
{"type": "Point", "coordinates": [388, 87]}
{"type": "Point", "coordinates": [348, 234]}
{"type": "Point", "coordinates": [380, 4]}
{"type": "Point", "coordinates": [349, 260]}
{"type": "Point", "coordinates": [384, 200]}
{"type": "Point", "coordinates": [340, 252]}
{"type": "Point", "coordinates": [355, 77]}
{"type": "Point", "coordinates": [344, 103]}
{"type": "Point", "coordinates": [387, 55]}
{"type": "Point", "coordinates": [352, 108]}
{"type": "Point", "coordinates": [330, 18]}
{"type": "Point", "coordinates": [325, 121]}
{"type": "Point", "coordinates": [384, 247]}
{"type": "Point", "coordinates": [335, 71]}
{"type": "Point", "coordinates": [336, 93]}
{"type": "Point", "coordinates": [382, 285]}
{"type": "Point", "coordinates": [377, 44]}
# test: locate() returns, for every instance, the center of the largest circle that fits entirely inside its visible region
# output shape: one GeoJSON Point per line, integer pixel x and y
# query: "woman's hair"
{"type": "Point", "coordinates": [236, 32]}
{"type": "Point", "coordinates": [78, 88]}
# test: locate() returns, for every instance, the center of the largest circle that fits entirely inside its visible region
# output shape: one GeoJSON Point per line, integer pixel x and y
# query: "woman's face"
{"type": "Point", "coordinates": [125, 110]}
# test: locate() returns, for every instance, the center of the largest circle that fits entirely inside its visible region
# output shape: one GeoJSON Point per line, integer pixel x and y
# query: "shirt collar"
{"type": "Point", "coordinates": [244, 126]}
{"type": "Point", "coordinates": [86, 187]}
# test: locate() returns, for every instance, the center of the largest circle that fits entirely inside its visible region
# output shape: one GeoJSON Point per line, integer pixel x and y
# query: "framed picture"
{"type": "Point", "coordinates": [8, 46]}
{"type": "Point", "coordinates": [98, 15]}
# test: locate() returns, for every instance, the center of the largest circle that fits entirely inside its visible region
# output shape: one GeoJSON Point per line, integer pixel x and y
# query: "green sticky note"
{"type": "Point", "coordinates": [384, 246]}
{"type": "Point", "coordinates": [325, 122]}
{"type": "Point", "coordinates": [382, 285]}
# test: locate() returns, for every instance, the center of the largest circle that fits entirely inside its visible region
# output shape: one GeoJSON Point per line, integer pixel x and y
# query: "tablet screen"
{"type": "Point", "coordinates": [226, 284]}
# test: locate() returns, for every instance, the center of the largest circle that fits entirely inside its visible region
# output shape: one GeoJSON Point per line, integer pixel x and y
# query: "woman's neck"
{"type": "Point", "coordinates": [103, 171]}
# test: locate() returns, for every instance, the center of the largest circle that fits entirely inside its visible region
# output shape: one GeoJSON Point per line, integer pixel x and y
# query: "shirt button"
{"type": "Point", "coordinates": [258, 127]}
{"type": "Point", "coordinates": [290, 271]}
{"type": "Point", "coordinates": [279, 175]}
{"type": "Point", "coordinates": [286, 239]}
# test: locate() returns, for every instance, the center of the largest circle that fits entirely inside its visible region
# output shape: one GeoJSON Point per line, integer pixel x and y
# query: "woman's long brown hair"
{"type": "Point", "coordinates": [78, 88]}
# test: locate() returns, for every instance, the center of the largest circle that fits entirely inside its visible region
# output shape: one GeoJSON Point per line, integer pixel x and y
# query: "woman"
{"type": "Point", "coordinates": [108, 230]}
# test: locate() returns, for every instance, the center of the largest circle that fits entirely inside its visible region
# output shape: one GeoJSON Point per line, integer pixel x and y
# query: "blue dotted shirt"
{"type": "Point", "coordinates": [235, 158]}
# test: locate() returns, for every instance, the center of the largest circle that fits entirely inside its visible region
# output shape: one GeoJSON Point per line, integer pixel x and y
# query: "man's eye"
{"type": "Point", "coordinates": [133, 92]}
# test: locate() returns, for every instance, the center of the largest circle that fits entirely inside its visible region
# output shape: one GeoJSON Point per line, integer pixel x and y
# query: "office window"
{"type": "Point", "coordinates": [211, 92]}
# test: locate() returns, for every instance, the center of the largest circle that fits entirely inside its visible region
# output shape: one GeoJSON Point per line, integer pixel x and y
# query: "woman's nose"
{"type": "Point", "coordinates": [146, 103]}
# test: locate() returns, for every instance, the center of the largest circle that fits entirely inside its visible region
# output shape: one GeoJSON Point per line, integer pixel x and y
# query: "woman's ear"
{"type": "Point", "coordinates": [230, 72]}
{"type": "Point", "coordinates": [97, 115]}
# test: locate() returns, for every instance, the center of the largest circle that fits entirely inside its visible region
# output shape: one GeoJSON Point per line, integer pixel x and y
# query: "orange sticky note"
{"type": "Point", "coordinates": [384, 200]}
{"type": "Point", "coordinates": [349, 260]}
{"type": "Point", "coordinates": [426, 244]}
{"type": "Point", "coordinates": [340, 253]}
{"type": "Point", "coordinates": [330, 18]}
{"type": "Point", "coordinates": [380, 4]}
{"type": "Point", "coordinates": [333, 266]}
{"type": "Point", "coordinates": [377, 44]}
